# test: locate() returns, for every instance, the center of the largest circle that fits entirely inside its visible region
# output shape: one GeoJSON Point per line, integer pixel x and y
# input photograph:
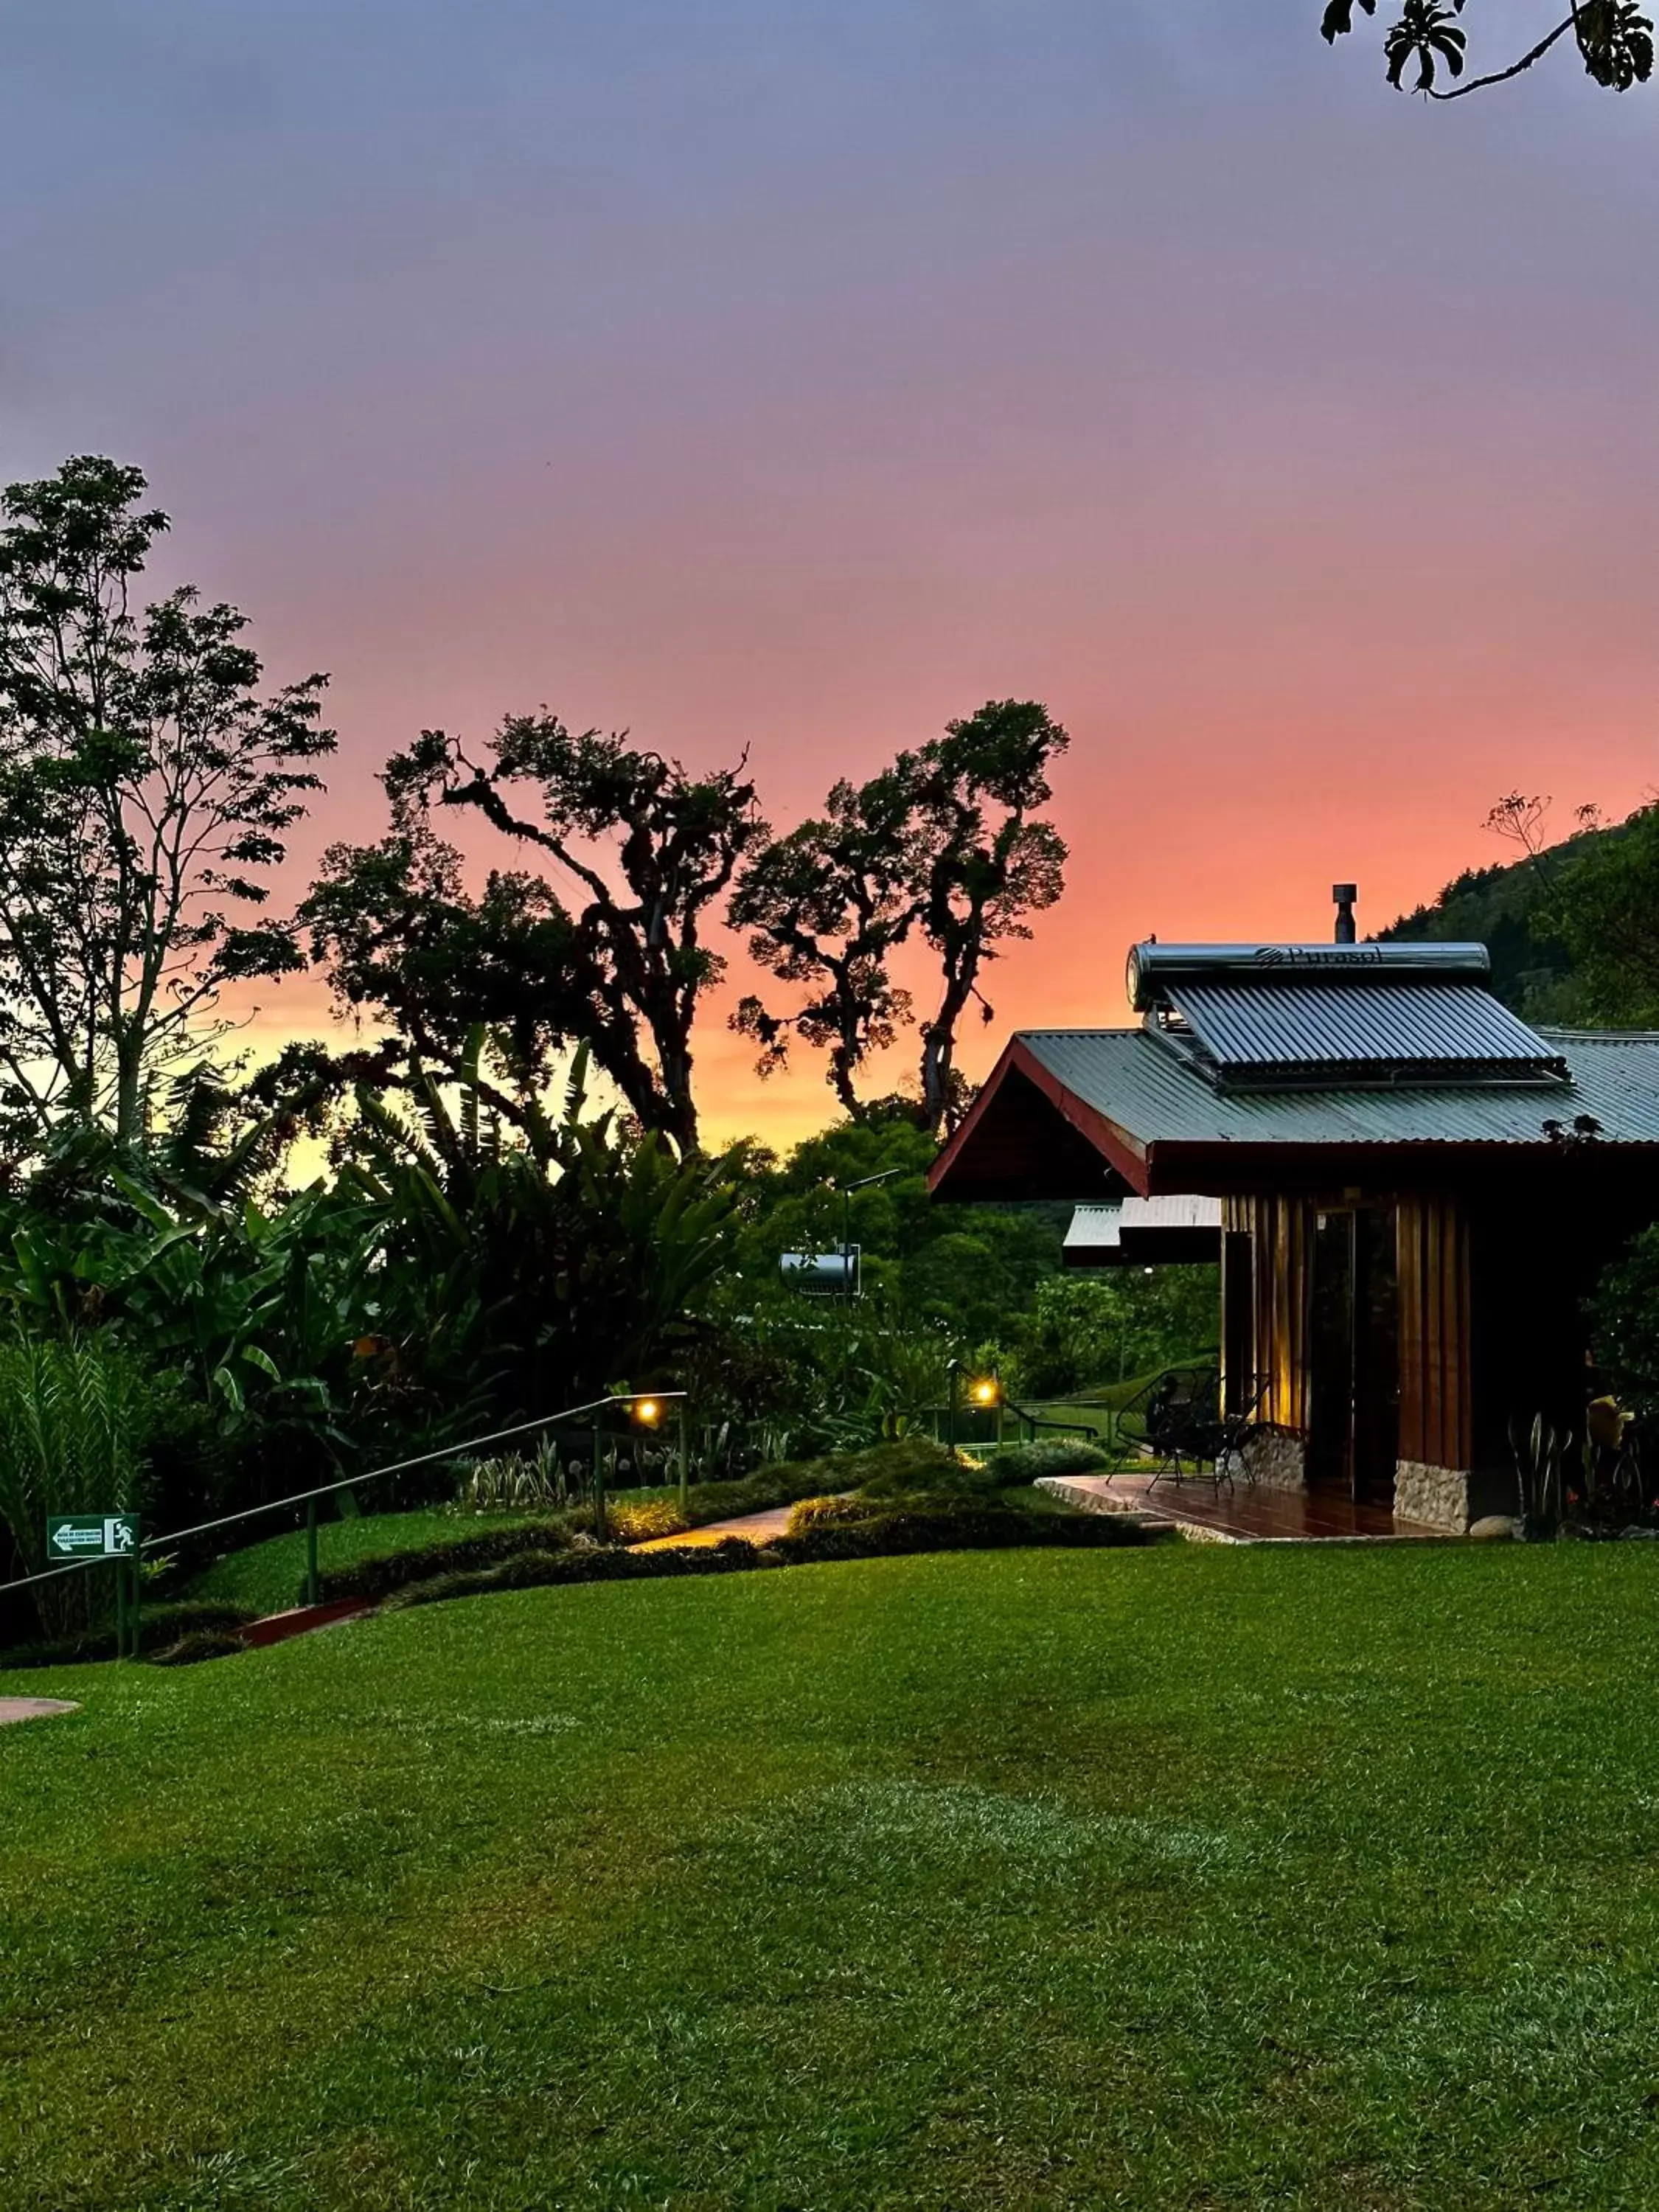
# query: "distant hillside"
{"type": "Point", "coordinates": [1501, 908]}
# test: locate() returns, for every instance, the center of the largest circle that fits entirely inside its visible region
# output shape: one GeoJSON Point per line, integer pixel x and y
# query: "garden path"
{"type": "Point", "coordinates": [755, 1528]}
{"type": "Point", "coordinates": [33, 1709]}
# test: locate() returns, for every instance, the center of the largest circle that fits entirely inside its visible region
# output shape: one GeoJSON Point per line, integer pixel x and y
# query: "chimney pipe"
{"type": "Point", "coordinates": [1345, 895]}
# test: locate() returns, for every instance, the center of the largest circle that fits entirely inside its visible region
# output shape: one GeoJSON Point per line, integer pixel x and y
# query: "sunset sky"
{"type": "Point", "coordinates": [798, 376]}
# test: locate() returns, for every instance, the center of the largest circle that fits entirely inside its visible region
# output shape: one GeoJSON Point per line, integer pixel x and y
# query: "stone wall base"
{"type": "Point", "coordinates": [1278, 1460]}
{"type": "Point", "coordinates": [1439, 1497]}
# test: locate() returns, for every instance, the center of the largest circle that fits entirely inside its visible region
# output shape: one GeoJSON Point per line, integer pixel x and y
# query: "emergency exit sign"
{"type": "Point", "coordinates": [93, 1535]}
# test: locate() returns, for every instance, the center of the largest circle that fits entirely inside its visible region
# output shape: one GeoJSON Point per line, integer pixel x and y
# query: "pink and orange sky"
{"type": "Point", "coordinates": [798, 376]}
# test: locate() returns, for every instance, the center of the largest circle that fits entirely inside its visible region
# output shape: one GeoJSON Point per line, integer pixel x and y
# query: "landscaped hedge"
{"type": "Point", "coordinates": [883, 1536]}
{"type": "Point", "coordinates": [982, 1529]}
{"type": "Point", "coordinates": [533, 1570]}
{"type": "Point", "coordinates": [914, 1463]}
{"type": "Point", "coordinates": [377, 1577]}
{"type": "Point", "coordinates": [1051, 1455]}
{"type": "Point", "coordinates": [200, 1644]}
{"type": "Point", "coordinates": [158, 1624]}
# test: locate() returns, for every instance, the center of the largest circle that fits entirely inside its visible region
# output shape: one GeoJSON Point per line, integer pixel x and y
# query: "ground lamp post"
{"type": "Point", "coordinates": [986, 1393]}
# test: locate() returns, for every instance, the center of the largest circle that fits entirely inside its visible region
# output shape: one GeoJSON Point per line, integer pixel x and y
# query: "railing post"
{"type": "Point", "coordinates": [685, 1459]}
{"type": "Point", "coordinates": [311, 1550]}
{"type": "Point", "coordinates": [598, 1484]}
{"type": "Point", "coordinates": [120, 1609]}
{"type": "Point", "coordinates": [135, 1609]}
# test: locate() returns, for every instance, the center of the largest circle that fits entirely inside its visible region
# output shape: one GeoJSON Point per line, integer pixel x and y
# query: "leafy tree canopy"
{"type": "Point", "coordinates": [947, 845]}
{"type": "Point", "coordinates": [1570, 926]}
{"type": "Point", "coordinates": [147, 787]}
{"type": "Point", "coordinates": [609, 950]}
{"type": "Point", "coordinates": [1425, 48]}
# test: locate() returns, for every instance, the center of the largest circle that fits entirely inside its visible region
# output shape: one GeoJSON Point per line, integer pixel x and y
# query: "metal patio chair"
{"type": "Point", "coordinates": [1175, 1420]}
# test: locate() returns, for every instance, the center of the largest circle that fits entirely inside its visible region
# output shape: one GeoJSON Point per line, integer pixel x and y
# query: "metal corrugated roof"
{"type": "Point", "coordinates": [1143, 1088]}
{"type": "Point", "coordinates": [1101, 1227]}
{"type": "Point", "coordinates": [1249, 1028]}
{"type": "Point", "coordinates": [1093, 1228]}
{"type": "Point", "coordinates": [1172, 1210]}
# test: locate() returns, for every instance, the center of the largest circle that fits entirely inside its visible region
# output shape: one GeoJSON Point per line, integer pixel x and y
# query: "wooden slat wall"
{"type": "Point", "coordinates": [1281, 1230]}
{"type": "Point", "coordinates": [1435, 1413]}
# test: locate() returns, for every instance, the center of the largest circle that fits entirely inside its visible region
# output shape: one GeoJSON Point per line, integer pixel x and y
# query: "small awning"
{"type": "Point", "coordinates": [1093, 1239]}
{"type": "Point", "coordinates": [1144, 1232]}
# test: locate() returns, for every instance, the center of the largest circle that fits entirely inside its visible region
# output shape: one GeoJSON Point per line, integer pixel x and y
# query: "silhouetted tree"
{"type": "Point", "coordinates": [943, 845]}
{"type": "Point", "coordinates": [984, 864]}
{"type": "Point", "coordinates": [146, 786]}
{"type": "Point", "coordinates": [1613, 39]}
{"type": "Point", "coordinates": [622, 968]}
{"type": "Point", "coordinates": [826, 906]}
{"type": "Point", "coordinates": [433, 967]}
{"type": "Point", "coordinates": [1603, 905]}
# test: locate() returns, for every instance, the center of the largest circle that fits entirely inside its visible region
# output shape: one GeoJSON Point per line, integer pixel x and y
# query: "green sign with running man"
{"type": "Point", "coordinates": [93, 1536]}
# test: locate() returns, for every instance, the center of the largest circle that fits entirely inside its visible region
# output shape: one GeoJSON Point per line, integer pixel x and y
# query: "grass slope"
{"type": "Point", "coordinates": [270, 1577]}
{"type": "Point", "coordinates": [1192, 1877]}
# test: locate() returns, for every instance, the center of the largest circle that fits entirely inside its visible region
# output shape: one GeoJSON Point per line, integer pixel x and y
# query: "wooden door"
{"type": "Point", "coordinates": [1353, 1345]}
{"type": "Point", "coordinates": [1377, 1355]}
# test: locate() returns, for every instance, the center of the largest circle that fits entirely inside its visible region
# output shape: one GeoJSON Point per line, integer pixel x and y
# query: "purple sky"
{"type": "Point", "coordinates": [799, 376]}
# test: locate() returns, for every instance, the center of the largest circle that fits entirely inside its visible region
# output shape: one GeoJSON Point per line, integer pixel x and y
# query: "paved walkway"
{"type": "Point", "coordinates": [32, 1709]}
{"type": "Point", "coordinates": [754, 1528]}
{"type": "Point", "coordinates": [1216, 1515]}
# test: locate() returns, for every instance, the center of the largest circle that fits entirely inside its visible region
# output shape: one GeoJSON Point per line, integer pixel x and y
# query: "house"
{"type": "Point", "coordinates": [1410, 1193]}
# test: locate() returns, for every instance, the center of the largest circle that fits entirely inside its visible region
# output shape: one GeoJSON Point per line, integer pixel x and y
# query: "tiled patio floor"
{"type": "Point", "coordinates": [1242, 1515]}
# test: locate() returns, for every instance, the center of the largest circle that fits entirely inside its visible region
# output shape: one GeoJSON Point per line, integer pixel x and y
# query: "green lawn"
{"type": "Point", "coordinates": [1191, 1877]}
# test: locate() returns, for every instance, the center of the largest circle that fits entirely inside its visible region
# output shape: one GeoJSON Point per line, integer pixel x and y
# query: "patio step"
{"type": "Point", "coordinates": [1085, 1493]}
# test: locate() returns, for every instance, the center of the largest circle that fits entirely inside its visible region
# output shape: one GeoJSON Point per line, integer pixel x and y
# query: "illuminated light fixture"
{"type": "Point", "coordinates": [988, 1391]}
{"type": "Point", "coordinates": [647, 1412]}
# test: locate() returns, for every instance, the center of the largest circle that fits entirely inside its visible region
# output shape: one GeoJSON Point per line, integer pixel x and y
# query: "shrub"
{"type": "Point", "coordinates": [532, 1569]}
{"type": "Point", "coordinates": [74, 1419]}
{"type": "Point", "coordinates": [159, 1626]}
{"type": "Point", "coordinates": [827, 1512]}
{"type": "Point", "coordinates": [896, 1470]}
{"type": "Point", "coordinates": [200, 1644]}
{"type": "Point", "coordinates": [640, 1524]}
{"type": "Point", "coordinates": [883, 1536]}
{"type": "Point", "coordinates": [516, 1480]}
{"type": "Point", "coordinates": [1050, 1456]}
{"type": "Point", "coordinates": [378, 1577]}
{"type": "Point", "coordinates": [993, 1528]}
{"type": "Point", "coordinates": [1624, 1314]}
{"type": "Point", "coordinates": [783, 1483]}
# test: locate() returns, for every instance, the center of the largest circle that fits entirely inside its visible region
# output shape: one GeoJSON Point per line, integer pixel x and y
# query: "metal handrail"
{"type": "Point", "coordinates": [350, 1482]}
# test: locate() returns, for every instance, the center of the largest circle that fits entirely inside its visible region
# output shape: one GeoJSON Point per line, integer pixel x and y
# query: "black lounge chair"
{"type": "Point", "coordinates": [1178, 1420]}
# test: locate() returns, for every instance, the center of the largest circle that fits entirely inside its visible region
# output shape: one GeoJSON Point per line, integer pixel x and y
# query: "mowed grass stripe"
{"type": "Point", "coordinates": [1191, 1877]}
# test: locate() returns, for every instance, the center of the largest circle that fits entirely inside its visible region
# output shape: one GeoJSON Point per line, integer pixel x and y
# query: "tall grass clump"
{"type": "Point", "coordinates": [75, 1418]}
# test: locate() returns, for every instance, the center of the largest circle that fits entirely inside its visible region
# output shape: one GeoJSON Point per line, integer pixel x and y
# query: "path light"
{"type": "Point", "coordinates": [647, 1412]}
{"type": "Point", "coordinates": [985, 1391]}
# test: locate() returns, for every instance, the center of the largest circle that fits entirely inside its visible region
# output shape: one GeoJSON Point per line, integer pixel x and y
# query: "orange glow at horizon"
{"type": "Point", "coordinates": [793, 381]}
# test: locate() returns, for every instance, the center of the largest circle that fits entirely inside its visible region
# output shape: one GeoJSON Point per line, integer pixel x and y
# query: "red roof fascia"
{"type": "Point", "coordinates": [1115, 1146]}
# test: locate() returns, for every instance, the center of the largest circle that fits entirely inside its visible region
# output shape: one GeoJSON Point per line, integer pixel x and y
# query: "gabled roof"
{"type": "Point", "coordinates": [1156, 1124]}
